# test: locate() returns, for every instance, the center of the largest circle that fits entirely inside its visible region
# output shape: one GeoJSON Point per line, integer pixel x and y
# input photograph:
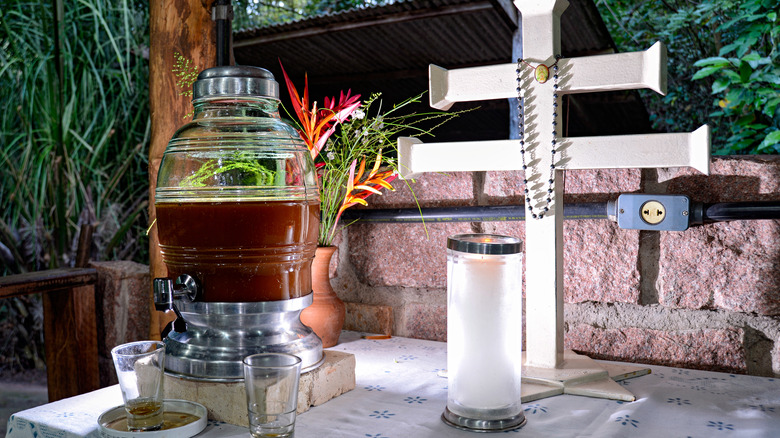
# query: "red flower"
{"type": "Point", "coordinates": [318, 125]}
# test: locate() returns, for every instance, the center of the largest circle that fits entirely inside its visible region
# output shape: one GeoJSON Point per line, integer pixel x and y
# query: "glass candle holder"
{"type": "Point", "coordinates": [484, 332]}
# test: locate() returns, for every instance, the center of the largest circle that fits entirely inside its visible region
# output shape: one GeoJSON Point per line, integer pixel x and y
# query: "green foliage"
{"type": "Point", "coordinates": [240, 169]}
{"type": "Point", "coordinates": [723, 66]}
{"type": "Point", "coordinates": [185, 72]}
{"type": "Point", "coordinates": [74, 134]}
{"type": "Point", "coordinates": [745, 77]}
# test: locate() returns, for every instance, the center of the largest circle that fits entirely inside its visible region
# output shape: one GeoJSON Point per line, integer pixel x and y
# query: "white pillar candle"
{"type": "Point", "coordinates": [484, 326]}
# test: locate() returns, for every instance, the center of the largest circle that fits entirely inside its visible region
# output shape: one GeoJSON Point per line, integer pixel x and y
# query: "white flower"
{"type": "Point", "coordinates": [331, 156]}
{"type": "Point", "coordinates": [358, 114]}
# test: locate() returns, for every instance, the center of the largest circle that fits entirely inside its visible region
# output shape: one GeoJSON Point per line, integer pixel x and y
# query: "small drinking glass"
{"type": "Point", "coordinates": [140, 370]}
{"type": "Point", "coordinates": [271, 381]}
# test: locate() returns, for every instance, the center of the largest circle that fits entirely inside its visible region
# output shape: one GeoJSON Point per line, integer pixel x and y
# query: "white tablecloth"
{"type": "Point", "coordinates": [399, 394]}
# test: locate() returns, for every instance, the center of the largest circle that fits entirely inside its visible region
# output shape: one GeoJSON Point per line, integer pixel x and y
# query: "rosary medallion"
{"type": "Point", "coordinates": [541, 73]}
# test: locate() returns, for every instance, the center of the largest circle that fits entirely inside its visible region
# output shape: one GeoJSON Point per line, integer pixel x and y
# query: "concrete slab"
{"type": "Point", "coordinates": [227, 401]}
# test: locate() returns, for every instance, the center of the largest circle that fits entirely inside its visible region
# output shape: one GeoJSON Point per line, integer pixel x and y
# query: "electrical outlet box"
{"type": "Point", "coordinates": [637, 211]}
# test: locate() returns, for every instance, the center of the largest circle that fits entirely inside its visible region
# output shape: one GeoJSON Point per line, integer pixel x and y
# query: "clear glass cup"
{"type": "Point", "coordinates": [140, 369]}
{"type": "Point", "coordinates": [271, 381]}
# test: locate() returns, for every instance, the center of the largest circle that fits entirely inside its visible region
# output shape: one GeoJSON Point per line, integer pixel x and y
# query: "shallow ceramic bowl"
{"type": "Point", "coordinates": [183, 419]}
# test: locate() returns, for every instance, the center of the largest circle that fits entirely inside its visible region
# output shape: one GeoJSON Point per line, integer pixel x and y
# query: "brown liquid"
{"type": "Point", "coordinates": [144, 408]}
{"type": "Point", "coordinates": [171, 420]}
{"type": "Point", "coordinates": [241, 251]}
{"type": "Point", "coordinates": [144, 414]}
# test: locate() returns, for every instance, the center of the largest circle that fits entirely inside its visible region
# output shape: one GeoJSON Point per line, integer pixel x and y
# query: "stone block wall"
{"type": "Point", "coordinates": [706, 298]}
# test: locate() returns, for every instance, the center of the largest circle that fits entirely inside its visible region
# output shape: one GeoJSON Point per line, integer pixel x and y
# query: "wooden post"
{"type": "Point", "coordinates": [70, 341]}
{"type": "Point", "coordinates": [175, 26]}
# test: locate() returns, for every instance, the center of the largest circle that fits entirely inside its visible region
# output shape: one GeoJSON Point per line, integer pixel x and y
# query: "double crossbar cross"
{"type": "Point", "coordinates": [544, 237]}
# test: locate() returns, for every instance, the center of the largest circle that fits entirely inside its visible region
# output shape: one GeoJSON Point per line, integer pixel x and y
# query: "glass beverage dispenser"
{"type": "Point", "coordinates": [237, 216]}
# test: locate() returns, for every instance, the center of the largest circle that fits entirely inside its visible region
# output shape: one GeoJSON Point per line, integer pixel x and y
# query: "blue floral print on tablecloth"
{"type": "Point", "coordinates": [398, 393]}
{"type": "Point", "coordinates": [534, 408]}
{"type": "Point", "coordinates": [719, 425]}
{"type": "Point", "coordinates": [381, 414]}
{"type": "Point", "coordinates": [413, 400]}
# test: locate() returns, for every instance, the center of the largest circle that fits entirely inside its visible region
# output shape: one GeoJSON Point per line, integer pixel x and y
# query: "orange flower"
{"type": "Point", "coordinates": [374, 181]}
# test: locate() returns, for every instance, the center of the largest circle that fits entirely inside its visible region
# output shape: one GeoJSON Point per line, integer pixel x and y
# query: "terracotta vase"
{"type": "Point", "coordinates": [326, 314]}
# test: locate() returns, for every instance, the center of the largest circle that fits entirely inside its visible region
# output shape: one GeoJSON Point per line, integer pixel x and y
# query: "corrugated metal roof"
{"type": "Point", "coordinates": [388, 49]}
{"type": "Point", "coordinates": [401, 37]}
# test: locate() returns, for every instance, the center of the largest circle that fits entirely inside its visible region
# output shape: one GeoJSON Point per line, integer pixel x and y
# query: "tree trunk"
{"type": "Point", "coordinates": [184, 27]}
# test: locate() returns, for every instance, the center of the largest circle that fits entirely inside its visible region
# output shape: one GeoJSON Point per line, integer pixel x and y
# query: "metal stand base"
{"type": "Point", "coordinates": [220, 335]}
{"type": "Point", "coordinates": [474, 425]}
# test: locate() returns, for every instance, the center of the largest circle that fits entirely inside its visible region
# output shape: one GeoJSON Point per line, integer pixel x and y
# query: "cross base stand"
{"type": "Point", "coordinates": [579, 375]}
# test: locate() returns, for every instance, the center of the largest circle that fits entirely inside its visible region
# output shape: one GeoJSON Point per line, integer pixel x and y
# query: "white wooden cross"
{"type": "Point", "coordinates": [546, 360]}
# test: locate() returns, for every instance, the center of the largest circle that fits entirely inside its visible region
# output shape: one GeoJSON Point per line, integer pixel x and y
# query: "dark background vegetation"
{"type": "Point", "coordinates": [724, 67]}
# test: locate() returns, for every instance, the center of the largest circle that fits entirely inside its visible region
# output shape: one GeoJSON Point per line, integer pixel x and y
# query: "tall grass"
{"type": "Point", "coordinates": [74, 131]}
{"type": "Point", "coordinates": [73, 145]}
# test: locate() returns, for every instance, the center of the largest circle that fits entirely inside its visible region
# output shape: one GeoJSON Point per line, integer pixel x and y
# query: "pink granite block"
{"type": "Point", "coordinates": [731, 179]}
{"type": "Point", "coordinates": [590, 185]}
{"type": "Point", "coordinates": [430, 190]}
{"type": "Point", "coordinates": [506, 186]}
{"type": "Point", "coordinates": [710, 349]}
{"type": "Point", "coordinates": [596, 185]}
{"type": "Point", "coordinates": [600, 262]}
{"type": "Point", "coordinates": [368, 318]}
{"type": "Point", "coordinates": [506, 228]}
{"type": "Point", "coordinates": [402, 254]}
{"type": "Point", "coordinates": [600, 259]}
{"type": "Point", "coordinates": [728, 265]}
{"type": "Point", "coordinates": [426, 321]}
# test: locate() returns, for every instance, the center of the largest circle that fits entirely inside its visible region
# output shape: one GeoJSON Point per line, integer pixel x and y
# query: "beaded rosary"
{"type": "Point", "coordinates": [541, 74]}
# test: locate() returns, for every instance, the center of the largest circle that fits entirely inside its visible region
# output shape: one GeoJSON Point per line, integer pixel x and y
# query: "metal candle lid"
{"type": "Point", "coordinates": [235, 80]}
{"type": "Point", "coordinates": [484, 244]}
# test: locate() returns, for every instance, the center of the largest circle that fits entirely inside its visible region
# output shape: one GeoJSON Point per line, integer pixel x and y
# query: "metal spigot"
{"type": "Point", "coordinates": [165, 291]}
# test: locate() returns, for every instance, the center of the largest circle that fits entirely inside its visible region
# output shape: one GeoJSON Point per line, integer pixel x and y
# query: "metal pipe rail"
{"type": "Point", "coordinates": [701, 213]}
